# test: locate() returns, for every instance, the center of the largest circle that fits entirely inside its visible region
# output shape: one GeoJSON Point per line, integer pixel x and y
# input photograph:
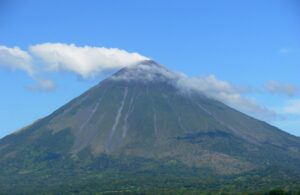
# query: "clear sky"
{"type": "Point", "coordinates": [251, 44]}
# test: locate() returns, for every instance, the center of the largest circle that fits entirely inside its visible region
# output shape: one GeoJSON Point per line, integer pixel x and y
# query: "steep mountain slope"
{"type": "Point", "coordinates": [139, 121]}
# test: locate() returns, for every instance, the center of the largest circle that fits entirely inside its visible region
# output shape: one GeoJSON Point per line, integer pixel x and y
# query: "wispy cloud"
{"type": "Point", "coordinates": [147, 71]}
{"type": "Point", "coordinates": [281, 88]}
{"type": "Point", "coordinates": [15, 58]}
{"type": "Point", "coordinates": [227, 93]}
{"type": "Point", "coordinates": [88, 61]}
{"type": "Point", "coordinates": [85, 61]}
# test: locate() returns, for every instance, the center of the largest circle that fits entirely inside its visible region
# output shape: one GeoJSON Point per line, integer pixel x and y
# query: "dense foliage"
{"type": "Point", "coordinates": [109, 175]}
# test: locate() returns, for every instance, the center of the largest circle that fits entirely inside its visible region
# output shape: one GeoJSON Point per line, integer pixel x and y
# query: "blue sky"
{"type": "Point", "coordinates": [254, 45]}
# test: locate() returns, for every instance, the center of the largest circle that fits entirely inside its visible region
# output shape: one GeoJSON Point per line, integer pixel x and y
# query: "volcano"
{"type": "Point", "coordinates": [136, 131]}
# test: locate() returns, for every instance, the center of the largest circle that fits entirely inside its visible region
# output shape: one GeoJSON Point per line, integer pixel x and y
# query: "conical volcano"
{"type": "Point", "coordinates": [139, 124]}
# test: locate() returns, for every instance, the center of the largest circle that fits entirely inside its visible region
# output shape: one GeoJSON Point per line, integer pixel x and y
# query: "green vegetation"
{"type": "Point", "coordinates": [109, 175]}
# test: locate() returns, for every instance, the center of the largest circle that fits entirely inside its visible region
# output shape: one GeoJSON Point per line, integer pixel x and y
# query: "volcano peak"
{"type": "Point", "coordinates": [145, 71]}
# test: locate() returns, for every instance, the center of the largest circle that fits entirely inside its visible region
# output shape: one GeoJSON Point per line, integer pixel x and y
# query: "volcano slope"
{"type": "Point", "coordinates": [136, 131]}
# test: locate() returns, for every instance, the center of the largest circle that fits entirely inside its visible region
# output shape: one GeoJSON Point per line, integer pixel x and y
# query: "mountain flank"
{"type": "Point", "coordinates": [136, 131]}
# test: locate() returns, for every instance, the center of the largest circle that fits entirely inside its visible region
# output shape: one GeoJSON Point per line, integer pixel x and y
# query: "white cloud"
{"type": "Point", "coordinates": [147, 71]}
{"type": "Point", "coordinates": [209, 84]}
{"type": "Point", "coordinates": [226, 93]}
{"type": "Point", "coordinates": [292, 107]}
{"type": "Point", "coordinates": [281, 88]}
{"type": "Point", "coordinates": [85, 61]}
{"type": "Point", "coordinates": [89, 61]}
{"type": "Point", "coordinates": [16, 59]}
